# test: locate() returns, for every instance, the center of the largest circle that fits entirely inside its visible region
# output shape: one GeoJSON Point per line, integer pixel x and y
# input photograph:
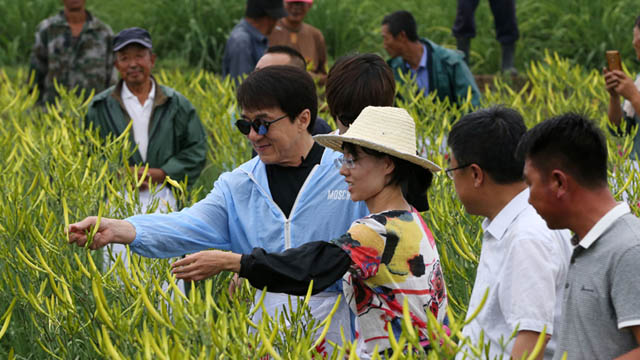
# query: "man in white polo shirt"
{"type": "Point", "coordinates": [566, 170]}
{"type": "Point", "coordinates": [522, 264]}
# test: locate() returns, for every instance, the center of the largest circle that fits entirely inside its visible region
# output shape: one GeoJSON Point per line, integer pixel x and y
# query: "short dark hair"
{"type": "Point", "coordinates": [414, 180]}
{"type": "Point", "coordinates": [402, 21]}
{"type": "Point", "coordinates": [570, 142]}
{"type": "Point", "coordinates": [280, 86]}
{"type": "Point", "coordinates": [637, 23]}
{"type": "Point", "coordinates": [296, 58]}
{"type": "Point", "coordinates": [357, 81]}
{"type": "Point", "coordinates": [489, 138]}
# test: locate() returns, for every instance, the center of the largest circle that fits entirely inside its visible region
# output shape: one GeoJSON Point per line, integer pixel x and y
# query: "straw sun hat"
{"type": "Point", "coordinates": [389, 130]}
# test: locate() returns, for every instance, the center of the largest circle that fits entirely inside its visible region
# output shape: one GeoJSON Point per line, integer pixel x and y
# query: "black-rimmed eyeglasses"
{"type": "Point", "coordinates": [260, 126]}
{"type": "Point", "coordinates": [450, 171]}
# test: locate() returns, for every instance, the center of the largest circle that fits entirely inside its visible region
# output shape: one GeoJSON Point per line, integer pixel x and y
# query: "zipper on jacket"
{"type": "Point", "coordinates": [287, 220]}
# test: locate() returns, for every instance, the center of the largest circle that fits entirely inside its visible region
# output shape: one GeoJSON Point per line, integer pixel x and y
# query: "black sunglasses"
{"type": "Point", "coordinates": [260, 126]}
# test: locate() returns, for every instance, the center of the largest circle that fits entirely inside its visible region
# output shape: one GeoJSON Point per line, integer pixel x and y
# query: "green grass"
{"type": "Point", "coordinates": [195, 31]}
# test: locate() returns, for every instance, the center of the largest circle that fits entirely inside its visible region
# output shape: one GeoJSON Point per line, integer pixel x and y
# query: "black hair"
{"type": "Point", "coordinates": [489, 138]}
{"type": "Point", "coordinates": [570, 142]}
{"type": "Point", "coordinates": [357, 81]}
{"type": "Point", "coordinates": [255, 9]}
{"type": "Point", "coordinates": [296, 58]}
{"type": "Point", "coordinates": [400, 21]}
{"type": "Point", "coordinates": [280, 86]}
{"type": "Point", "coordinates": [413, 180]}
{"type": "Point", "coordinates": [637, 23]}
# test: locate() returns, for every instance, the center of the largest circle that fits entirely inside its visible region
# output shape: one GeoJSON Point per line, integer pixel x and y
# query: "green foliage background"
{"type": "Point", "coordinates": [57, 301]}
{"type": "Point", "coordinates": [193, 32]}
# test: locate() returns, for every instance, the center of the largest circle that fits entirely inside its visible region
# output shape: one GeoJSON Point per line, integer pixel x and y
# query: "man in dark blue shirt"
{"type": "Point", "coordinates": [248, 39]}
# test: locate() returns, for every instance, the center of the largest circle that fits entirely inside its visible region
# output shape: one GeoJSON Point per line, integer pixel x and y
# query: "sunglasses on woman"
{"type": "Point", "coordinates": [260, 126]}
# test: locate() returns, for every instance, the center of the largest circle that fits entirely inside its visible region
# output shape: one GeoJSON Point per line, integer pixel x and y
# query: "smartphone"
{"type": "Point", "coordinates": [613, 60]}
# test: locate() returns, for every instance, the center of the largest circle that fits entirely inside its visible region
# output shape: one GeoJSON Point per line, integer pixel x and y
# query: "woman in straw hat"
{"type": "Point", "coordinates": [384, 258]}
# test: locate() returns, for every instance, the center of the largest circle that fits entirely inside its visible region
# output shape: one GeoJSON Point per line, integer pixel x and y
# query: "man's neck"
{"type": "Point", "coordinates": [304, 146]}
{"type": "Point", "coordinates": [141, 91]}
{"type": "Point", "coordinates": [260, 24]}
{"type": "Point", "coordinates": [413, 54]}
{"type": "Point", "coordinates": [75, 17]}
{"type": "Point", "coordinates": [498, 196]}
{"type": "Point", "coordinates": [292, 25]}
{"type": "Point", "coordinates": [589, 207]}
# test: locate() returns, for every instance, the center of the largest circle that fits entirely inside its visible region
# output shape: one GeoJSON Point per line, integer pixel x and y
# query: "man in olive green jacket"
{"type": "Point", "coordinates": [433, 67]}
{"type": "Point", "coordinates": [166, 128]}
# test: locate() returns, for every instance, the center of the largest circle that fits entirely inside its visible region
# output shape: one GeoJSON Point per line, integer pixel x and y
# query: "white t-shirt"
{"type": "Point", "coordinates": [524, 265]}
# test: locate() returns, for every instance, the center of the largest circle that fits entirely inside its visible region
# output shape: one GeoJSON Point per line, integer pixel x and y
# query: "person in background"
{"type": "Point", "coordinates": [522, 263]}
{"type": "Point", "coordinates": [355, 82]}
{"type": "Point", "coordinates": [625, 116]}
{"type": "Point", "coordinates": [566, 170]}
{"type": "Point", "coordinates": [72, 48]}
{"type": "Point", "coordinates": [285, 55]}
{"type": "Point", "coordinates": [166, 129]}
{"type": "Point", "coordinates": [292, 31]}
{"type": "Point", "coordinates": [506, 24]}
{"type": "Point", "coordinates": [289, 195]}
{"type": "Point", "coordinates": [384, 258]}
{"type": "Point", "coordinates": [247, 41]}
{"type": "Point", "coordinates": [433, 67]}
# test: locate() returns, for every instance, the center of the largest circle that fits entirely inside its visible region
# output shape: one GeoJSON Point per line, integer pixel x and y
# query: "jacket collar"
{"type": "Point", "coordinates": [61, 20]}
{"type": "Point", "coordinates": [160, 99]}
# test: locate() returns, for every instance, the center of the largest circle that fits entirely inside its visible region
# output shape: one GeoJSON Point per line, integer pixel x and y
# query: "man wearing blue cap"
{"type": "Point", "coordinates": [166, 128]}
{"type": "Point", "coordinates": [248, 41]}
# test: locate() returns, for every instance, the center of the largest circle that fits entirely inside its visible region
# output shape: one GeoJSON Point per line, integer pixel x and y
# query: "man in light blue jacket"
{"type": "Point", "coordinates": [289, 195]}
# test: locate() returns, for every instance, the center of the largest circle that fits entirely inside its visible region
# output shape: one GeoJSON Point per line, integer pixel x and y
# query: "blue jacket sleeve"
{"type": "Point", "coordinates": [200, 227]}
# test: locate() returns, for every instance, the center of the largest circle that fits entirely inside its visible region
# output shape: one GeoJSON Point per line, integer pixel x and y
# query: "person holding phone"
{"type": "Point", "coordinates": [624, 116]}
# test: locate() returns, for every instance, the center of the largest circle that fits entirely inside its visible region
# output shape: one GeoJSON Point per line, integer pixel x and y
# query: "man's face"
{"type": "Point", "coordinates": [297, 11]}
{"type": "Point", "coordinates": [541, 196]}
{"type": "Point", "coordinates": [391, 44]}
{"type": "Point", "coordinates": [636, 41]}
{"type": "Point", "coordinates": [280, 145]}
{"type": "Point", "coordinates": [134, 63]}
{"type": "Point", "coordinates": [73, 5]}
{"type": "Point", "coordinates": [271, 59]}
{"type": "Point", "coordinates": [463, 184]}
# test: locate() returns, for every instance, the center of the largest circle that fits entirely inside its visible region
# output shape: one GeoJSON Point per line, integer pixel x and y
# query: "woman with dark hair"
{"type": "Point", "coordinates": [619, 84]}
{"type": "Point", "coordinates": [385, 257]}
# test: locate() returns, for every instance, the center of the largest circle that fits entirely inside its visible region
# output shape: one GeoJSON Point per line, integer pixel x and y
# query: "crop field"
{"type": "Point", "coordinates": [59, 301]}
{"type": "Point", "coordinates": [192, 33]}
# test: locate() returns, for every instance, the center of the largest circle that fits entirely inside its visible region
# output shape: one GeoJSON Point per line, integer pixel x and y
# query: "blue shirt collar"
{"type": "Point", "coordinates": [255, 33]}
{"type": "Point", "coordinates": [423, 60]}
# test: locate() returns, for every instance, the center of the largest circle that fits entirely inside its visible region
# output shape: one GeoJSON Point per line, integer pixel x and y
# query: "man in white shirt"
{"type": "Point", "coordinates": [169, 136]}
{"type": "Point", "coordinates": [523, 264]}
{"type": "Point", "coordinates": [166, 129]}
{"type": "Point", "coordinates": [566, 171]}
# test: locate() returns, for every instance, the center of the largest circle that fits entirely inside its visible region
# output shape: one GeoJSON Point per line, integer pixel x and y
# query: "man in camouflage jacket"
{"type": "Point", "coordinates": [73, 48]}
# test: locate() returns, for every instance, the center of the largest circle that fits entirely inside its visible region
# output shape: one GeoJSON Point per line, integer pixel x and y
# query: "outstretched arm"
{"type": "Point", "coordinates": [288, 272]}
